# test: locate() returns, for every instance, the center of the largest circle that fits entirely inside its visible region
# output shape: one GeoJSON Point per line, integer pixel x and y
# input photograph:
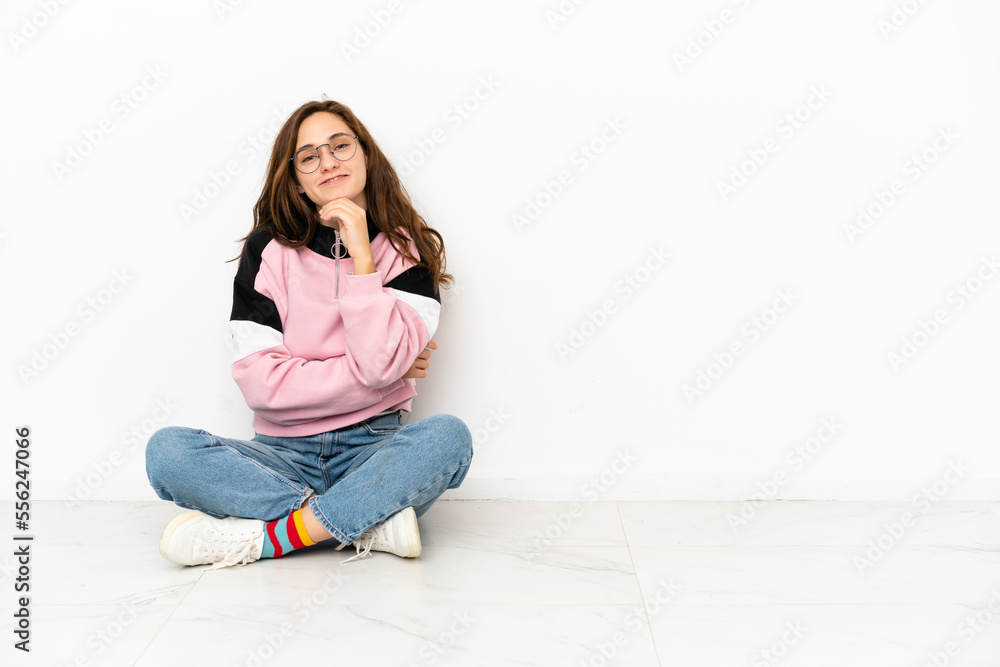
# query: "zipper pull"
{"type": "Point", "coordinates": [337, 245]}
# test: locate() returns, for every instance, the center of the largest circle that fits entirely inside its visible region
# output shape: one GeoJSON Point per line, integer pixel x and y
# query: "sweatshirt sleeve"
{"type": "Point", "coordinates": [387, 326]}
{"type": "Point", "coordinates": [281, 388]}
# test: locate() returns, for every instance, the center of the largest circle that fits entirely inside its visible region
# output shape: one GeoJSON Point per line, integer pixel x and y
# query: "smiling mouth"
{"type": "Point", "coordinates": [335, 179]}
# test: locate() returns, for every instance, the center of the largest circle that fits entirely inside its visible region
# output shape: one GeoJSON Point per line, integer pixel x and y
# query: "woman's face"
{"type": "Point", "coordinates": [317, 130]}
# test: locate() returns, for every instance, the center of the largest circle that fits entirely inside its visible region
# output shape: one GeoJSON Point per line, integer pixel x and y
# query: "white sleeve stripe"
{"type": "Point", "coordinates": [429, 309]}
{"type": "Point", "coordinates": [248, 337]}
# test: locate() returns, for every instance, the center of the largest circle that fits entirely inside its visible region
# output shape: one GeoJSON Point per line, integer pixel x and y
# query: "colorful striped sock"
{"type": "Point", "coordinates": [285, 535]}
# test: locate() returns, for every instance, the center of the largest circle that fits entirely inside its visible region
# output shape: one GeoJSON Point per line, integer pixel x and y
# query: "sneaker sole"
{"type": "Point", "coordinates": [412, 532]}
{"type": "Point", "coordinates": [168, 531]}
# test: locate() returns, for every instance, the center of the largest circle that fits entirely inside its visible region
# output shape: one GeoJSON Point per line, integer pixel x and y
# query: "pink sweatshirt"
{"type": "Point", "coordinates": [317, 348]}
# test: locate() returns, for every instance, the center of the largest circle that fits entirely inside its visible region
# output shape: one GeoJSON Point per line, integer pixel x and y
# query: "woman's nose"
{"type": "Point", "coordinates": [323, 155]}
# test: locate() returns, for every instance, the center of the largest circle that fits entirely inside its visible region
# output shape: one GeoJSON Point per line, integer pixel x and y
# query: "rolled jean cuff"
{"type": "Point", "coordinates": [329, 527]}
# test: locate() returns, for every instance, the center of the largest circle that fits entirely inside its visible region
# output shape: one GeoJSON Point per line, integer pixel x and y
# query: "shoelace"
{"type": "Point", "coordinates": [364, 544]}
{"type": "Point", "coordinates": [233, 553]}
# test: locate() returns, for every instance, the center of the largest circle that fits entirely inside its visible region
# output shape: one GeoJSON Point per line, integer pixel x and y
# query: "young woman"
{"type": "Point", "coordinates": [335, 301]}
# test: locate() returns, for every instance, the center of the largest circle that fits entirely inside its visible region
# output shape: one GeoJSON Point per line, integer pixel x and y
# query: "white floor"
{"type": "Point", "coordinates": [532, 583]}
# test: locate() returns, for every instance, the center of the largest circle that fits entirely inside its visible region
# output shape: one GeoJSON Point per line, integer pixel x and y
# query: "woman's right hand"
{"type": "Point", "coordinates": [420, 364]}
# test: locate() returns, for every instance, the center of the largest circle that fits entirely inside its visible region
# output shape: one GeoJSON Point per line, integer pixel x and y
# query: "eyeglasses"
{"type": "Point", "coordinates": [341, 146]}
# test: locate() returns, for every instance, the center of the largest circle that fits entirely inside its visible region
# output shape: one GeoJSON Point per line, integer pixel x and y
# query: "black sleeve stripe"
{"type": "Point", "coordinates": [251, 305]}
{"type": "Point", "coordinates": [415, 280]}
{"type": "Point", "coordinates": [248, 303]}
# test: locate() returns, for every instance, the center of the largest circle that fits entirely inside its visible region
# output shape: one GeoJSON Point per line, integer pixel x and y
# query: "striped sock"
{"type": "Point", "coordinates": [285, 535]}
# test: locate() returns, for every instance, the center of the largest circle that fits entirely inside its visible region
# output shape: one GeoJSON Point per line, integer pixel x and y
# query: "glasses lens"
{"type": "Point", "coordinates": [344, 147]}
{"type": "Point", "coordinates": [307, 160]}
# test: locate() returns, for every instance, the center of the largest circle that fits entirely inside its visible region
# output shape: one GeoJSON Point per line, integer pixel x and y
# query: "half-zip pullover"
{"type": "Point", "coordinates": [310, 359]}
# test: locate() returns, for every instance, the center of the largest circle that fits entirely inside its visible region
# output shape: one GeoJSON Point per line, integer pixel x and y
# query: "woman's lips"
{"type": "Point", "coordinates": [334, 180]}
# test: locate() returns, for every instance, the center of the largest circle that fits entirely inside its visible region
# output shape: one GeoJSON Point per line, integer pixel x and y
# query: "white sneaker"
{"type": "Point", "coordinates": [194, 538]}
{"type": "Point", "coordinates": [398, 535]}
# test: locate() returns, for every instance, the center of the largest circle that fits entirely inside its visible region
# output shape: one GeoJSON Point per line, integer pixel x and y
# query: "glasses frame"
{"type": "Point", "coordinates": [320, 155]}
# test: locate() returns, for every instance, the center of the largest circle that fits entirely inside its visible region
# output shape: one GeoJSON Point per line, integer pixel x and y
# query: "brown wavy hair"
{"type": "Point", "coordinates": [294, 218]}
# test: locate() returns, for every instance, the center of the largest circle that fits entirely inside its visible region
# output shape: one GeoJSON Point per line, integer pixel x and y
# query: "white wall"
{"type": "Point", "coordinates": [545, 424]}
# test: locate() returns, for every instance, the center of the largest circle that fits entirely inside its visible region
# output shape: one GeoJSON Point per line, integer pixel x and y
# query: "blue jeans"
{"type": "Point", "coordinates": [362, 474]}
